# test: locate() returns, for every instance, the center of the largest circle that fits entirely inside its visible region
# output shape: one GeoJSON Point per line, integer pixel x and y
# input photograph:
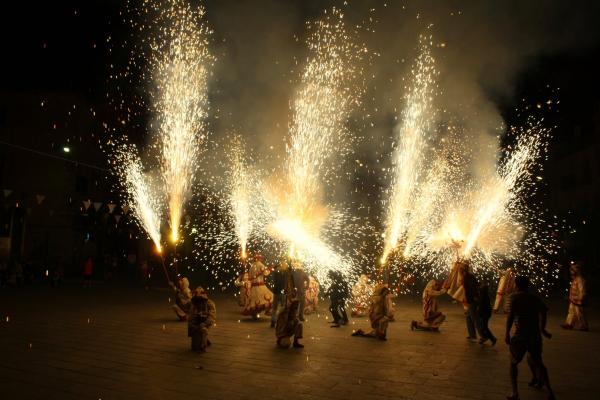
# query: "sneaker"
{"type": "Point", "coordinates": [298, 345]}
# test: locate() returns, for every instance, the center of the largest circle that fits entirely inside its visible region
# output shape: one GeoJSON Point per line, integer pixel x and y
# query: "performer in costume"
{"type": "Point", "coordinates": [260, 298]}
{"type": "Point", "coordinates": [379, 315]}
{"type": "Point", "coordinates": [301, 284]}
{"type": "Point", "coordinates": [203, 315]}
{"type": "Point", "coordinates": [283, 287]}
{"type": "Point", "coordinates": [506, 286]}
{"type": "Point", "coordinates": [432, 317]}
{"type": "Point", "coordinates": [577, 300]}
{"type": "Point", "coordinates": [243, 282]}
{"type": "Point", "coordinates": [454, 284]}
{"type": "Point", "coordinates": [338, 294]}
{"type": "Point", "coordinates": [183, 297]}
{"type": "Point", "coordinates": [312, 296]}
{"type": "Point", "coordinates": [361, 294]}
{"type": "Point", "coordinates": [289, 325]}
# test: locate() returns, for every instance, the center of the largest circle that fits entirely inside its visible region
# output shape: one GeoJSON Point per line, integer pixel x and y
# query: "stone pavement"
{"type": "Point", "coordinates": [112, 342]}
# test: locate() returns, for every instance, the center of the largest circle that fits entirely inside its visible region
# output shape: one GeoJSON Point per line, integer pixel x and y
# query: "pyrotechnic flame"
{"type": "Point", "coordinates": [495, 203]}
{"type": "Point", "coordinates": [322, 105]}
{"type": "Point", "coordinates": [145, 204]}
{"type": "Point", "coordinates": [181, 64]}
{"type": "Point", "coordinates": [412, 136]}
{"type": "Point", "coordinates": [240, 185]}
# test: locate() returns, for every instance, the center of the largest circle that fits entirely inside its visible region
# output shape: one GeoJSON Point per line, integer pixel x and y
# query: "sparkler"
{"type": "Point", "coordinates": [145, 204]}
{"type": "Point", "coordinates": [181, 63]}
{"type": "Point", "coordinates": [412, 135]}
{"type": "Point", "coordinates": [239, 187]}
{"type": "Point", "coordinates": [320, 109]}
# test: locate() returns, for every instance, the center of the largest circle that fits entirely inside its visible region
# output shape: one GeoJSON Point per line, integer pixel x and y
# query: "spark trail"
{"type": "Point", "coordinates": [240, 184]}
{"type": "Point", "coordinates": [412, 137]}
{"type": "Point", "coordinates": [326, 97]}
{"type": "Point", "coordinates": [143, 200]}
{"type": "Point", "coordinates": [181, 64]}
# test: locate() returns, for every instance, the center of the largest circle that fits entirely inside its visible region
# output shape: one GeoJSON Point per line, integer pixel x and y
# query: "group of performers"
{"type": "Point", "coordinates": [256, 298]}
{"type": "Point", "coordinates": [296, 293]}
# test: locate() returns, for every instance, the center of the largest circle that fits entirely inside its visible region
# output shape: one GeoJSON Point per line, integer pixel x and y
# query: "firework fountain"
{"type": "Point", "coordinates": [326, 96]}
{"type": "Point", "coordinates": [239, 200]}
{"type": "Point", "coordinates": [438, 212]}
{"type": "Point", "coordinates": [412, 136]}
{"type": "Point", "coordinates": [143, 200]}
{"type": "Point", "coordinates": [181, 63]}
{"type": "Point", "coordinates": [177, 56]}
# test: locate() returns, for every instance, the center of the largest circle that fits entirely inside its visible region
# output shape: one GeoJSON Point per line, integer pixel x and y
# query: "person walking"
{"type": "Point", "coordinates": [484, 312]}
{"type": "Point", "coordinates": [530, 314]}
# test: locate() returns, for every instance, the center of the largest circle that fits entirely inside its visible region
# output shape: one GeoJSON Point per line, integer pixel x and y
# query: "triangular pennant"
{"type": "Point", "coordinates": [125, 208]}
{"type": "Point", "coordinates": [111, 207]}
{"type": "Point", "coordinates": [7, 192]}
{"type": "Point", "coordinates": [40, 198]}
{"type": "Point", "coordinates": [118, 217]}
{"type": "Point", "coordinates": [86, 204]}
{"type": "Point", "coordinates": [97, 205]}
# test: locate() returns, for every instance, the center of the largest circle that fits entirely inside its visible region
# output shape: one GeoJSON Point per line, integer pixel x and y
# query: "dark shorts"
{"type": "Point", "coordinates": [519, 346]}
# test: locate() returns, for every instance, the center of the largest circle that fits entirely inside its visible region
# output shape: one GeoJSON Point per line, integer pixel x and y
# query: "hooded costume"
{"type": "Point", "coordinates": [576, 318]}
{"type": "Point", "coordinates": [312, 296]}
{"type": "Point", "coordinates": [288, 325]}
{"type": "Point", "coordinates": [183, 297]}
{"type": "Point", "coordinates": [260, 298]}
{"type": "Point", "coordinates": [506, 287]}
{"type": "Point", "coordinates": [379, 314]}
{"type": "Point", "coordinates": [203, 314]}
{"type": "Point", "coordinates": [432, 317]}
{"type": "Point", "coordinates": [361, 294]}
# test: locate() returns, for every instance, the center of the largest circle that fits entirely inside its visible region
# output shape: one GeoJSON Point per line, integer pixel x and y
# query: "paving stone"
{"type": "Point", "coordinates": [117, 342]}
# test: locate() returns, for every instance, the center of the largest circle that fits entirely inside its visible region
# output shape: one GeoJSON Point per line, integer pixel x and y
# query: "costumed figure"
{"type": "Point", "coordinates": [454, 283]}
{"type": "Point", "coordinates": [361, 294]}
{"type": "Point", "coordinates": [283, 288]}
{"type": "Point", "coordinates": [577, 301]}
{"type": "Point", "coordinates": [260, 298]}
{"type": "Point", "coordinates": [244, 284]}
{"type": "Point", "coordinates": [203, 315]}
{"type": "Point", "coordinates": [289, 325]}
{"type": "Point", "coordinates": [379, 315]}
{"type": "Point", "coordinates": [432, 317]}
{"type": "Point", "coordinates": [312, 296]}
{"type": "Point", "coordinates": [338, 294]}
{"type": "Point", "coordinates": [301, 284]}
{"type": "Point", "coordinates": [183, 297]}
{"type": "Point", "coordinates": [506, 286]}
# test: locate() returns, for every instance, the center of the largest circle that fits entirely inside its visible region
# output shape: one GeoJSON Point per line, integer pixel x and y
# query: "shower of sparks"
{"type": "Point", "coordinates": [144, 202]}
{"type": "Point", "coordinates": [181, 64]}
{"type": "Point", "coordinates": [438, 211]}
{"type": "Point", "coordinates": [240, 184]}
{"type": "Point", "coordinates": [412, 137]}
{"type": "Point", "coordinates": [326, 96]}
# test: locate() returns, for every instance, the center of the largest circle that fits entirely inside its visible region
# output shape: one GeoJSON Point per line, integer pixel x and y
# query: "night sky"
{"type": "Point", "coordinates": [70, 46]}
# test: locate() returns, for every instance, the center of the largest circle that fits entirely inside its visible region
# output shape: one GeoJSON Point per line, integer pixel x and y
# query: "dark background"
{"type": "Point", "coordinates": [56, 59]}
